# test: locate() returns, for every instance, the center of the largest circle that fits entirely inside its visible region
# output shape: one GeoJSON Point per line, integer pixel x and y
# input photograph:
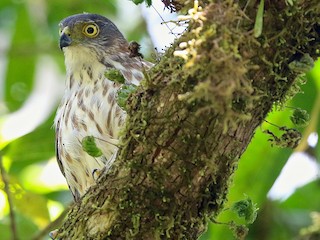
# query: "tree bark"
{"type": "Point", "coordinates": [193, 117]}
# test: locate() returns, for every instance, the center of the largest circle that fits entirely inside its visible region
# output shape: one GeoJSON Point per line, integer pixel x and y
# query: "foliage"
{"type": "Point", "coordinates": [258, 26]}
{"type": "Point", "coordinates": [147, 2]}
{"type": "Point", "coordinates": [38, 201]}
{"type": "Point", "coordinates": [123, 94]}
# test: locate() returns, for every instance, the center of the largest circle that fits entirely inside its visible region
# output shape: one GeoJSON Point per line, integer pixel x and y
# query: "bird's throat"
{"type": "Point", "coordinates": [82, 67]}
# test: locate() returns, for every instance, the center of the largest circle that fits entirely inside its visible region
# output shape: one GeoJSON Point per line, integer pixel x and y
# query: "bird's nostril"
{"type": "Point", "coordinates": [65, 40]}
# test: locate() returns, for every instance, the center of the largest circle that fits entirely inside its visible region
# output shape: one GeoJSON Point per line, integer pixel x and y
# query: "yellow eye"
{"type": "Point", "coordinates": [91, 30]}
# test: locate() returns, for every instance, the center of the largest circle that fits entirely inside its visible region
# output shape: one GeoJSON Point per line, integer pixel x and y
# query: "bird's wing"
{"type": "Point", "coordinates": [57, 149]}
{"type": "Point", "coordinates": [74, 192]}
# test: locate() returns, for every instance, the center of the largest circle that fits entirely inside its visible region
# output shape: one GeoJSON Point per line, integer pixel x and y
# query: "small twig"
{"type": "Point", "coordinates": [164, 21]}
{"type": "Point", "coordinates": [51, 226]}
{"type": "Point", "coordinates": [6, 189]}
{"type": "Point", "coordinates": [272, 124]}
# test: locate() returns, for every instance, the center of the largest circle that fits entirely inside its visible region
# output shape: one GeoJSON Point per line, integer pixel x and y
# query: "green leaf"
{"type": "Point", "coordinates": [31, 148]}
{"type": "Point", "coordinates": [149, 3]}
{"type": "Point", "coordinates": [32, 206]}
{"type": "Point", "coordinates": [5, 228]}
{"type": "Point", "coordinates": [21, 61]}
{"type": "Point", "coordinates": [137, 2]}
{"type": "Point", "coordinates": [258, 25]}
{"type": "Point", "coordinates": [90, 147]}
{"type": "Point", "coordinates": [304, 198]}
{"type": "Point", "coordinates": [25, 227]}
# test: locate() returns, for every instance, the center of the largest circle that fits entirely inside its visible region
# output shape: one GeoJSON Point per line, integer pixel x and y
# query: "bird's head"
{"type": "Point", "coordinates": [90, 38]}
{"type": "Point", "coordinates": [92, 32]}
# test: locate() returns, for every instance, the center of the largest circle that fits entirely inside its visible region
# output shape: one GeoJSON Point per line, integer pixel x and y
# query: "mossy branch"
{"type": "Point", "coordinates": [193, 117]}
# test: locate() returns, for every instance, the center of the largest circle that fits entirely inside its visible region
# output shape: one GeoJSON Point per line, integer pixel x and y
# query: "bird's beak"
{"type": "Point", "coordinates": [65, 39]}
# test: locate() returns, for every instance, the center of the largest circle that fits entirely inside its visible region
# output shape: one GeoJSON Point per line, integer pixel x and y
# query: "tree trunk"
{"type": "Point", "coordinates": [194, 116]}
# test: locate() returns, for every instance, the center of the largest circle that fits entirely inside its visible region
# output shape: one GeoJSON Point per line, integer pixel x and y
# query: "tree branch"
{"type": "Point", "coordinates": [7, 190]}
{"type": "Point", "coordinates": [193, 117]}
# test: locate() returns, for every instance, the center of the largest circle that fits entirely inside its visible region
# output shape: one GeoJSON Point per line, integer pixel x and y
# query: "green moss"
{"type": "Point", "coordinates": [300, 117]}
{"type": "Point", "coordinates": [215, 78]}
{"type": "Point", "coordinates": [123, 94]}
{"type": "Point", "coordinates": [290, 138]}
{"type": "Point", "coordinates": [136, 224]}
{"type": "Point", "coordinates": [246, 209]}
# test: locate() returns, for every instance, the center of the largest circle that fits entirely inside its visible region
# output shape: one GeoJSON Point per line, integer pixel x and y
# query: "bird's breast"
{"type": "Point", "coordinates": [87, 109]}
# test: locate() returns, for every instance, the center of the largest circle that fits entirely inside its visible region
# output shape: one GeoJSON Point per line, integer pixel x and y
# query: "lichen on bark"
{"type": "Point", "coordinates": [192, 118]}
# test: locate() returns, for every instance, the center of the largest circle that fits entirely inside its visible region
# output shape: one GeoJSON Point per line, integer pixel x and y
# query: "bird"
{"type": "Point", "coordinates": [92, 45]}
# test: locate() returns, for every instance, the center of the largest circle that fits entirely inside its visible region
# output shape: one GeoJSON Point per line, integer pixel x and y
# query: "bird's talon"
{"type": "Point", "coordinates": [96, 173]}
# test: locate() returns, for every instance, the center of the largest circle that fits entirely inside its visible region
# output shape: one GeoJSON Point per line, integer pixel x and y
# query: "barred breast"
{"type": "Point", "coordinates": [88, 108]}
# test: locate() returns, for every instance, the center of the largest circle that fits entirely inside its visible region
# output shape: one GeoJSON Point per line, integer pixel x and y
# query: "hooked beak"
{"type": "Point", "coordinates": [65, 40]}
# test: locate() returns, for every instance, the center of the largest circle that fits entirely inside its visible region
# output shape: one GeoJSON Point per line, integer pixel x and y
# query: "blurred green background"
{"type": "Point", "coordinates": [31, 85]}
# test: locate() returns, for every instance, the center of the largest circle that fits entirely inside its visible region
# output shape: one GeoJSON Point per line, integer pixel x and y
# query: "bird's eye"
{"type": "Point", "coordinates": [90, 30]}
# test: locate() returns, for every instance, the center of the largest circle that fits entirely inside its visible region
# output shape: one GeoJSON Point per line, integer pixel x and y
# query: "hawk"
{"type": "Point", "coordinates": [91, 44]}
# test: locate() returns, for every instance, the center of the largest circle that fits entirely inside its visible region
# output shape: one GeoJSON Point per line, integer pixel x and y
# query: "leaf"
{"type": "Point", "coordinates": [33, 147]}
{"type": "Point", "coordinates": [21, 61]}
{"type": "Point", "coordinates": [258, 25]}
{"type": "Point", "coordinates": [149, 3]}
{"type": "Point", "coordinates": [25, 227]}
{"type": "Point", "coordinates": [90, 147]}
{"type": "Point", "coordinates": [304, 198]}
{"type": "Point", "coordinates": [137, 2]}
{"type": "Point", "coordinates": [31, 205]}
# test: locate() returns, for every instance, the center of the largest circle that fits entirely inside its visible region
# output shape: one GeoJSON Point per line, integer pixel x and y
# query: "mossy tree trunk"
{"type": "Point", "coordinates": [192, 119]}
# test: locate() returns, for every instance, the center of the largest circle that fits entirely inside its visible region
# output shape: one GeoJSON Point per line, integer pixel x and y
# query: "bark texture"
{"type": "Point", "coordinates": [194, 116]}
